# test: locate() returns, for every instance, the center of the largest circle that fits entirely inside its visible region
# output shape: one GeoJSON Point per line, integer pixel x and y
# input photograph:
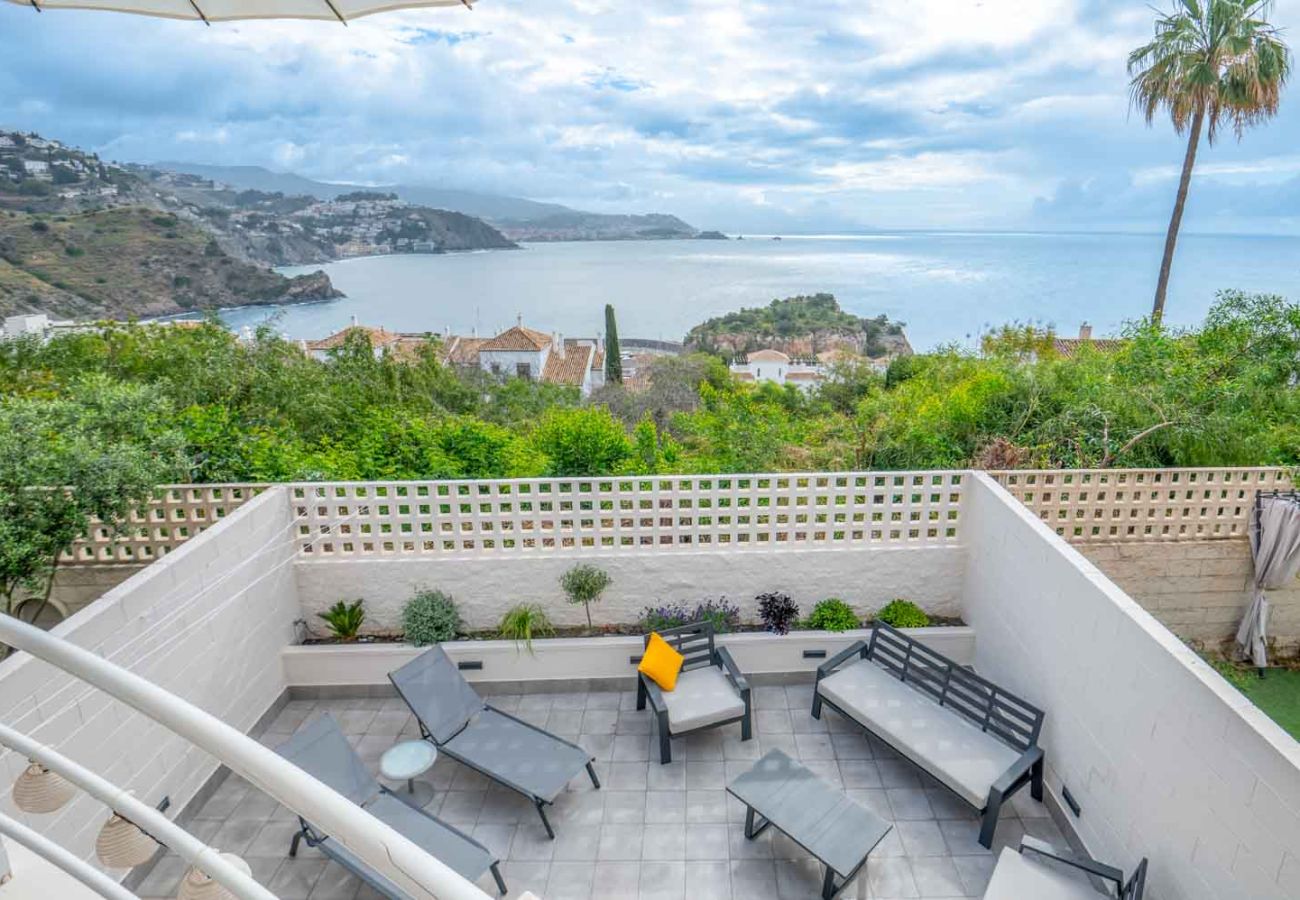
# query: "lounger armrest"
{"type": "Point", "coordinates": [1085, 863]}
{"type": "Point", "coordinates": [653, 692]}
{"type": "Point", "coordinates": [857, 648]}
{"type": "Point", "coordinates": [731, 670]}
{"type": "Point", "coordinates": [1019, 770]}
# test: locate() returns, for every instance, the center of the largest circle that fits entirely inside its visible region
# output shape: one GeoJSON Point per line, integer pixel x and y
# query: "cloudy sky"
{"type": "Point", "coordinates": [741, 115]}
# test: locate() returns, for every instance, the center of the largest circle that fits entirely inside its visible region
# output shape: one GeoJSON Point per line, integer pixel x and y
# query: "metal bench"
{"type": "Point", "coordinates": [1023, 875]}
{"type": "Point", "coordinates": [978, 740]}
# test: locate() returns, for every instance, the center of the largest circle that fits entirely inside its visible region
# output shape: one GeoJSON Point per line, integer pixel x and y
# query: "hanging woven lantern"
{"type": "Point", "coordinates": [38, 790]}
{"type": "Point", "coordinates": [122, 845]}
{"type": "Point", "coordinates": [198, 885]}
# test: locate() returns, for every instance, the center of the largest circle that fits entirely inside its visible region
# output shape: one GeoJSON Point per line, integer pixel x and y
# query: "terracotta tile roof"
{"type": "Point", "coordinates": [803, 376]}
{"type": "Point", "coordinates": [568, 369]}
{"type": "Point", "coordinates": [767, 356]}
{"type": "Point", "coordinates": [1068, 347]}
{"type": "Point", "coordinates": [379, 338]}
{"type": "Point", "coordinates": [462, 351]}
{"type": "Point", "coordinates": [517, 338]}
{"type": "Point", "coordinates": [744, 376]}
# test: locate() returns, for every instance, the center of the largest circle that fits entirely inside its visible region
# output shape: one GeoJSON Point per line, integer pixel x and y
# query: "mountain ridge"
{"type": "Point", "coordinates": [516, 217]}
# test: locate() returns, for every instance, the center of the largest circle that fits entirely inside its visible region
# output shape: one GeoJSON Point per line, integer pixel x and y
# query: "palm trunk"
{"type": "Point", "coordinates": [1171, 239]}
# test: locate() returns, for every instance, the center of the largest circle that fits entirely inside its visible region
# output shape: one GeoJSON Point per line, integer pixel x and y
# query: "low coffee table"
{"type": "Point", "coordinates": [812, 813]}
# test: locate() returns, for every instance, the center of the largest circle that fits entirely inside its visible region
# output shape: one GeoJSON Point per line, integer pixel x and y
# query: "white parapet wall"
{"type": "Point", "coordinates": [1165, 758]}
{"type": "Point", "coordinates": [485, 586]}
{"type": "Point", "coordinates": [207, 622]}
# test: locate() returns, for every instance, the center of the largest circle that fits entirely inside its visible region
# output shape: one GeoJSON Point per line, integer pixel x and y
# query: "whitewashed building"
{"type": "Point", "coordinates": [522, 352]}
{"type": "Point", "coordinates": [778, 368]}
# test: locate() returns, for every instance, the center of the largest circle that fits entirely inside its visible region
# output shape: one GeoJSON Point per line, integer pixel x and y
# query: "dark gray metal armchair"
{"type": "Point", "coordinates": [710, 691]}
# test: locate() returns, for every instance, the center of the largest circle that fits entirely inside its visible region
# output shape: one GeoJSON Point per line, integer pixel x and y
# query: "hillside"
{"type": "Point", "coordinates": [128, 262]}
{"type": "Point", "coordinates": [800, 326]}
{"type": "Point", "coordinates": [518, 219]}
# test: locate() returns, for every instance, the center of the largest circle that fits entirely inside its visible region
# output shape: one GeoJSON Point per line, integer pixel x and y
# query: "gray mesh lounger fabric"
{"type": "Point", "coordinates": [518, 754]}
{"type": "Point", "coordinates": [529, 760]}
{"type": "Point", "coordinates": [321, 750]}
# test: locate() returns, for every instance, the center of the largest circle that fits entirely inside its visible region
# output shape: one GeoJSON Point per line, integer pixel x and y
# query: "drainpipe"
{"type": "Point", "coordinates": [378, 845]}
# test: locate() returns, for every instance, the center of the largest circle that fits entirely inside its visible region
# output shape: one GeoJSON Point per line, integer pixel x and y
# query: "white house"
{"type": "Point", "coordinates": [36, 167]}
{"type": "Point", "coordinates": [522, 352]}
{"type": "Point", "coordinates": [37, 324]}
{"type": "Point", "coordinates": [778, 368]}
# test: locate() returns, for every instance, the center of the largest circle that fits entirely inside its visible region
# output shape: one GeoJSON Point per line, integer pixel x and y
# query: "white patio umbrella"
{"type": "Point", "coordinates": [210, 11]}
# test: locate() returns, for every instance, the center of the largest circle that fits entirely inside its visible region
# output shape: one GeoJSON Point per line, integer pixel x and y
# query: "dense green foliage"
{"type": "Point", "coordinates": [96, 449]}
{"type": "Point", "coordinates": [902, 614]}
{"type": "Point", "coordinates": [262, 410]}
{"type": "Point", "coordinates": [832, 614]}
{"type": "Point", "coordinates": [430, 617]}
{"type": "Point", "coordinates": [344, 620]}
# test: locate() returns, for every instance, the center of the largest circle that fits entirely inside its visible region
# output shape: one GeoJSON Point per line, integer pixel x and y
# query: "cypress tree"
{"type": "Point", "coordinates": [613, 360]}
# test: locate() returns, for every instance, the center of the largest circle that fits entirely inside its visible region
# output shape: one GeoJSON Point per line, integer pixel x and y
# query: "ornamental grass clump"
{"type": "Point", "coordinates": [523, 622]}
{"type": "Point", "coordinates": [584, 584]}
{"type": "Point", "coordinates": [430, 617]}
{"type": "Point", "coordinates": [778, 612]}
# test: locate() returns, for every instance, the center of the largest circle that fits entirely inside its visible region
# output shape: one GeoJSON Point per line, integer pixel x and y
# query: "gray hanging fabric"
{"type": "Point", "coordinates": [1275, 547]}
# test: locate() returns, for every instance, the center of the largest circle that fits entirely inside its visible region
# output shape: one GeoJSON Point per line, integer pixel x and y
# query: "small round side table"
{"type": "Point", "coordinates": [406, 762]}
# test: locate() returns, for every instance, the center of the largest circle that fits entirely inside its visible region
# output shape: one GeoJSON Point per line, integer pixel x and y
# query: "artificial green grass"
{"type": "Point", "coordinates": [1278, 694]}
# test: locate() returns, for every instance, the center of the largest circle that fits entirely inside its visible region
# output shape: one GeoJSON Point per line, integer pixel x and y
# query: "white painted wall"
{"type": "Point", "coordinates": [207, 622]}
{"type": "Point", "coordinates": [1167, 759]}
{"type": "Point", "coordinates": [485, 587]}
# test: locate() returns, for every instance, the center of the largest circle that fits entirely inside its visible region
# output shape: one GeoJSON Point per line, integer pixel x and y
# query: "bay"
{"type": "Point", "coordinates": [948, 287]}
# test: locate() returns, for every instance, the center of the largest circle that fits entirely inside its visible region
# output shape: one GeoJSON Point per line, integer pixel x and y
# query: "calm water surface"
{"type": "Point", "coordinates": [946, 287]}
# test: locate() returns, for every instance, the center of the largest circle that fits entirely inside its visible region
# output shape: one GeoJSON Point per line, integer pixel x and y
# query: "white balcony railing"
{"type": "Point", "coordinates": [619, 514]}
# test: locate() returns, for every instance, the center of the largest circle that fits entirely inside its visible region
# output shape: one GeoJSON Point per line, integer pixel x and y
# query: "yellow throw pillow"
{"type": "Point", "coordinates": [661, 663]}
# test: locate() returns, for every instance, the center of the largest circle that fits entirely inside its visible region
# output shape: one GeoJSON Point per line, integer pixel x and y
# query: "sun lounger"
{"type": "Point", "coordinates": [321, 750]}
{"type": "Point", "coordinates": [507, 750]}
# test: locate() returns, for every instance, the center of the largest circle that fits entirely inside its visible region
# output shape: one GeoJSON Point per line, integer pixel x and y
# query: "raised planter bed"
{"type": "Point", "coordinates": [555, 661]}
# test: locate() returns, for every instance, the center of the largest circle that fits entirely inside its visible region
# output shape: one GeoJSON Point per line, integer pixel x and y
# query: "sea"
{"type": "Point", "coordinates": [948, 288]}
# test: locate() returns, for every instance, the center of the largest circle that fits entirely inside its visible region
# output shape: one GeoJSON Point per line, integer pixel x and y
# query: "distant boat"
{"type": "Point", "coordinates": [776, 237]}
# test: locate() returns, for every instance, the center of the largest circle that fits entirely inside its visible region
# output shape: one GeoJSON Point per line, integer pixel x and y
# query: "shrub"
{"type": "Point", "coordinates": [430, 617]}
{"type": "Point", "coordinates": [725, 616]}
{"type": "Point", "coordinates": [902, 614]}
{"type": "Point", "coordinates": [525, 621]}
{"type": "Point", "coordinates": [584, 584]}
{"type": "Point", "coordinates": [778, 612]}
{"type": "Point", "coordinates": [833, 614]}
{"type": "Point", "coordinates": [344, 619]}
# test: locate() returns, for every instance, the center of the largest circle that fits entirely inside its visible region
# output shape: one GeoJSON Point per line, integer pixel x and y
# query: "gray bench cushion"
{"type": "Point", "coordinates": [1021, 877]}
{"type": "Point", "coordinates": [940, 740]}
{"type": "Point", "coordinates": [702, 696]}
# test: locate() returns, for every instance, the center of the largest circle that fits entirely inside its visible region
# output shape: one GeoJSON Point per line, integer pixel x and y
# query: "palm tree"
{"type": "Point", "coordinates": [1210, 59]}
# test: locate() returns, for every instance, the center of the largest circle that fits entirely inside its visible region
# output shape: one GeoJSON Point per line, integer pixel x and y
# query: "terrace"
{"type": "Point", "coordinates": [1161, 756]}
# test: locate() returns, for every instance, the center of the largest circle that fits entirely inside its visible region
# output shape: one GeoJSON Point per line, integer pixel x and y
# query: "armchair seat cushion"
{"type": "Point", "coordinates": [702, 697]}
{"type": "Point", "coordinates": [938, 739]}
{"type": "Point", "coordinates": [1019, 876]}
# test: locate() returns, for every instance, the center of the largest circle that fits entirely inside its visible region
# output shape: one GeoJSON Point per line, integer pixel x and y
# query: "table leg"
{"type": "Point", "coordinates": [418, 793]}
{"type": "Point", "coordinates": [750, 831]}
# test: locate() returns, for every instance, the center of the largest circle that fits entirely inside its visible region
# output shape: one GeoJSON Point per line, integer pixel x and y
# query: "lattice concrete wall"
{"type": "Point", "coordinates": [177, 513]}
{"type": "Point", "coordinates": [608, 515]}
{"type": "Point", "coordinates": [1106, 505]}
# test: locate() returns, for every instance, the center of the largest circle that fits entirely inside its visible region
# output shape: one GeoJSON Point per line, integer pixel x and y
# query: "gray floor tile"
{"type": "Point", "coordinates": [708, 880]}
{"type": "Point", "coordinates": [571, 881]}
{"type": "Point", "coordinates": [296, 878]}
{"type": "Point", "coordinates": [663, 881]}
{"type": "Point", "coordinates": [664, 842]}
{"type": "Point", "coordinates": [620, 842]}
{"type": "Point", "coordinates": [617, 880]}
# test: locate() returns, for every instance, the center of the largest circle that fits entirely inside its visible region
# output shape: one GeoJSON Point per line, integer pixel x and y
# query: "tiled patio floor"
{"type": "Point", "coordinates": [652, 831]}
